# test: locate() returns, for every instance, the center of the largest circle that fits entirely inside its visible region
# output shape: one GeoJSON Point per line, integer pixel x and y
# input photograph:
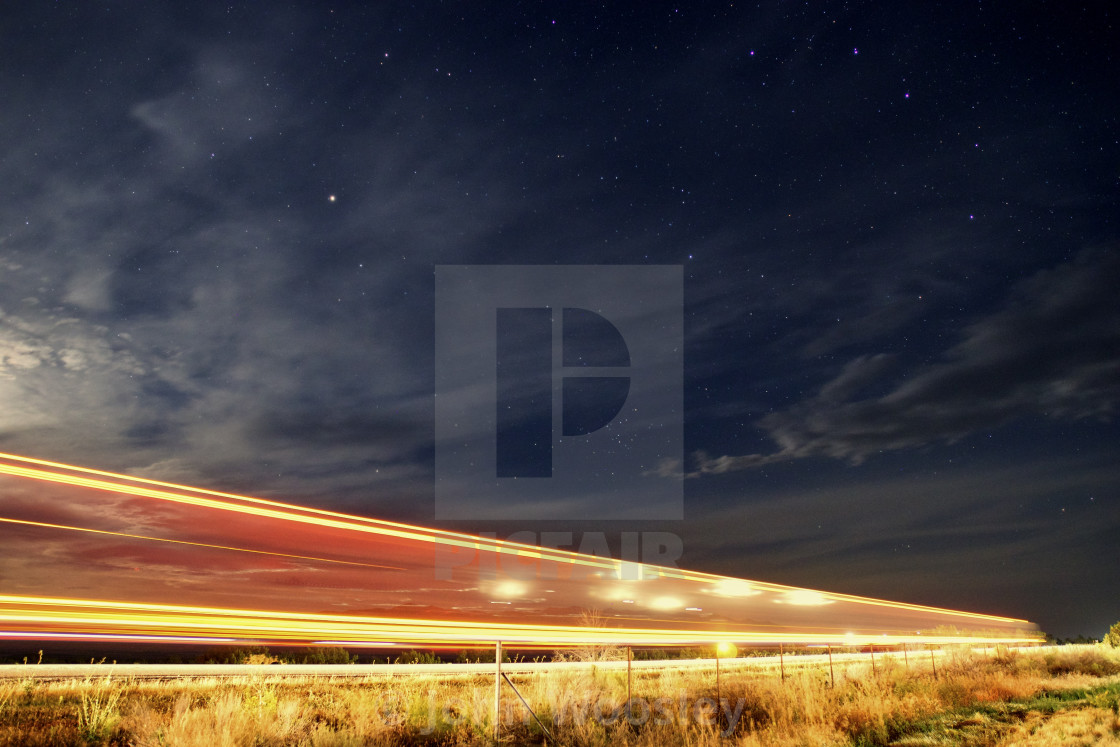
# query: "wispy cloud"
{"type": "Point", "coordinates": [182, 299]}
{"type": "Point", "coordinates": [1053, 349]}
{"type": "Point", "coordinates": [972, 536]}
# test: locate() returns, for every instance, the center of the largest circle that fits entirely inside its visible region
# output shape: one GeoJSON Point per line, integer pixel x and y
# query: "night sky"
{"type": "Point", "coordinates": [896, 223]}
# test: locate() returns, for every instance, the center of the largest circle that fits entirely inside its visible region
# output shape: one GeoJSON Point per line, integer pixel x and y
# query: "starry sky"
{"type": "Point", "coordinates": [896, 227]}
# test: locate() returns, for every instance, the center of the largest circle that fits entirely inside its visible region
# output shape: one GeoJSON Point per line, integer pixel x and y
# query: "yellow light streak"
{"type": "Point", "coordinates": [409, 531]}
{"type": "Point", "coordinates": [117, 637]}
{"type": "Point", "coordinates": [47, 615]}
{"type": "Point", "coordinates": [95, 617]}
{"type": "Point", "coordinates": [47, 525]}
{"type": "Point", "coordinates": [288, 512]}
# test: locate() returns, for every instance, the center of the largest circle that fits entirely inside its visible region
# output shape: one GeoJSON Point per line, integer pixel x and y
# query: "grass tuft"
{"type": "Point", "coordinates": [975, 699]}
{"type": "Point", "coordinates": [98, 714]}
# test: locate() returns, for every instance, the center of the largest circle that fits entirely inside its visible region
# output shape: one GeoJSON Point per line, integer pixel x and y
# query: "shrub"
{"type": "Point", "coordinates": [417, 657]}
{"type": "Point", "coordinates": [97, 711]}
{"type": "Point", "coordinates": [243, 655]}
{"type": "Point", "coordinates": [1094, 662]}
{"type": "Point", "coordinates": [1113, 637]}
{"type": "Point", "coordinates": [325, 655]}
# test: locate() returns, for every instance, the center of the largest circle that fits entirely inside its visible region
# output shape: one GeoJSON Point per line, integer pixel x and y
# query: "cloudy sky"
{"type": "Point", "coordinates": [219, 228]}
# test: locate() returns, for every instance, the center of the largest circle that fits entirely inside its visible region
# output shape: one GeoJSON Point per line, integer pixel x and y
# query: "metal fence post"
{"type": "Point", "coordinates": [629, 698]}
{"type": "Point", "coordinates": [497, 690]}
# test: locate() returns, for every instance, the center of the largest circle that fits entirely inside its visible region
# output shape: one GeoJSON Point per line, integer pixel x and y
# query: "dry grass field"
{"type": "Point", "coordinates": [1048, 697]}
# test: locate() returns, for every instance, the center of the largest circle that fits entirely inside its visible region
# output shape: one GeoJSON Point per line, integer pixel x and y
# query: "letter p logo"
{"type": "Point", "coordinates": [524, 377]}
{"type": "Point", "coordinates": [558, 391]}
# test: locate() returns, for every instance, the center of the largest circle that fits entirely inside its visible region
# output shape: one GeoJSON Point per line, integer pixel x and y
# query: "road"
{"type": "Point", "coordinates": [358, 671]}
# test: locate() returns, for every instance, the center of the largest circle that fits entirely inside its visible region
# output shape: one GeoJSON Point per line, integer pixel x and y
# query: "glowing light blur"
{"type": "Point", "coordinates": [86, 553]}
{"type": "Point", "coordinates": [804, 598]}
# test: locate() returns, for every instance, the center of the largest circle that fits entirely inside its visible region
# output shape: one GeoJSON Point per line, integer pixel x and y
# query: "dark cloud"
{"type": "Point", "coordinates": [1052, 350]}
{"type": "Point", "coordinates": [387, 434]}
{"type": "Point", "coordinates": [968, 535]}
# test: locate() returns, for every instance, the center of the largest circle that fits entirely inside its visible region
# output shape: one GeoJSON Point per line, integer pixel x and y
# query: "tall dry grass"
{"type": "Point", "coordinates": [1025, 696]}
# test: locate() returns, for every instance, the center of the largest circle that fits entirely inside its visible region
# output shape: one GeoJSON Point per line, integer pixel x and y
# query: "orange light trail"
{"type": "Point", "coordinates": [99, 617]}
{"type": "Point", "coordinates": [47, 525]}
{"type": "Point", "coordinates": [289, 512]}
{"type": "Point", "coordinates": [681, 608]}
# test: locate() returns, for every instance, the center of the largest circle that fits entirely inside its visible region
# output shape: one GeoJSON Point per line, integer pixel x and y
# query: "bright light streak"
{"type": "Point", "coordinates": [288, 512]}
{"type": "Point", "coordinates": [48, 525]}
{"type": "Point", "coordinates": [115, 637]}
{"type": "Point", "coordinates": [511, 589]}
{"type": "Point", "coordinates": [805, 598]}
{"type": "Point", "coordinates": [671, 596]}
{"type": "Point", "coordinates": [97, 619]}
{"type": "Point", "coordinates": [734, 587]}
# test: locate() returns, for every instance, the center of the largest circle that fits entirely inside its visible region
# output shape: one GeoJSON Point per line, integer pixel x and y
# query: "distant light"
{"type": "Point", "coordinates": [734, 587]}
{"type": "Point", "coordinates": [332, 198]}
{"type": "Point", "coordinates": [510, 589]}
{"type": "Point", "coordinates": [804, 598]}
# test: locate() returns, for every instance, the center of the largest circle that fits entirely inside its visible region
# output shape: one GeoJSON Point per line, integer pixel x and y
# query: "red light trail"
{"type": "Point", "coordinates": [139, 559]}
